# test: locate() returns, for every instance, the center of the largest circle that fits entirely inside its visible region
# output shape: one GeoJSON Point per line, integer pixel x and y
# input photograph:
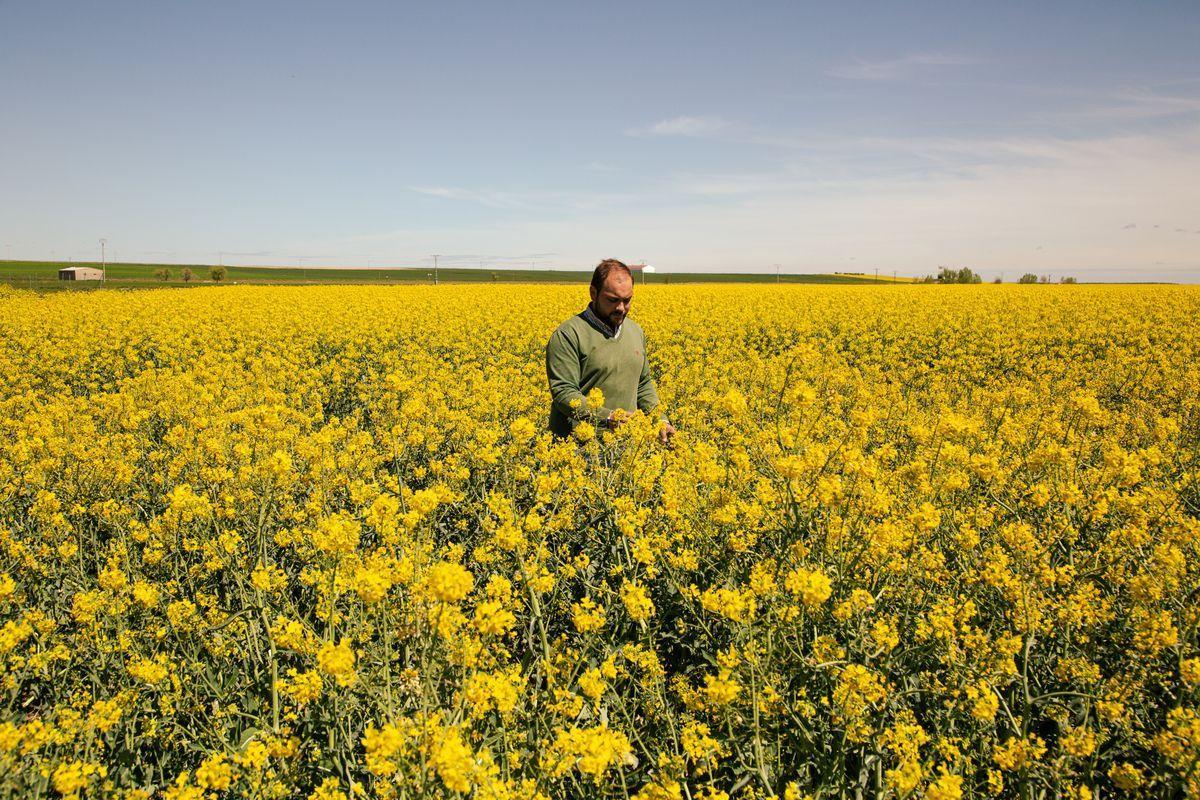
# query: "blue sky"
{"type": "Point", "coordinates": [1010, 137]}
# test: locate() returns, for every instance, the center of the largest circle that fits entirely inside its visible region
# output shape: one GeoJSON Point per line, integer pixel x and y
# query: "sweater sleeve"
{"type": "Point", "coordinates": [647, 393]}
{"type": "Point", "coordinates": [563, 371]}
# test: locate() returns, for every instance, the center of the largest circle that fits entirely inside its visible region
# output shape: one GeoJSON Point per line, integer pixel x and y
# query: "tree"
{"type": "Point", "coordinates": [217, 274]}
{"type": "Point", "coordinates": [1028, 277]}
{"type": "Point", "coordinates": [964, 275]}
{"type": "Point", "coordinates": [997, 279]}
{"type": "Point", "coordinates": [163, 274]}
{"type": "Point", "coordinates": [1067, 279]}
{"type": "Point", "coordinates": [186, 274]}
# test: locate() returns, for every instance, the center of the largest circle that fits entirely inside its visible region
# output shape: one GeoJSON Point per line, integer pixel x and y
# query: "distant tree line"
{"type": "Point", "coordinates": [951, 275]}
{"type": "Point", "coordinates": [1029, 277]}
{"type": "Point", "coordinates": [964, 275]}
{"type": "Point", "coordinates": [968, 275]}
{"type": "Point", "coordinates": [215, 274]}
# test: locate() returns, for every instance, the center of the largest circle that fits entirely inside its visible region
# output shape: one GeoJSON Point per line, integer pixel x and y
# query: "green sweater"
{"type": "Point", "coordinates": [581, 357]}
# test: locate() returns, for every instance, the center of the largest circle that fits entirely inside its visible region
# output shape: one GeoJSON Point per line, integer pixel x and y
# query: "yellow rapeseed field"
{"type": "Point", "coordinates": [315, 542]}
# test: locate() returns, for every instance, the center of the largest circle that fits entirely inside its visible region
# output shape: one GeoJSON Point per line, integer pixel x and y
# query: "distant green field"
{"type": "Point", "coordinates": [43, 276]}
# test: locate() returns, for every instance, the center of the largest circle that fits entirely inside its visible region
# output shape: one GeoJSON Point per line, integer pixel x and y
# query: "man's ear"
{"type": "Point", "coordinates": [592, 292]}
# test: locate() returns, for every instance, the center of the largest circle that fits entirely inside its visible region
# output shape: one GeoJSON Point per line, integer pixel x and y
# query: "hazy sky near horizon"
{"type": "Point", "coordinates": [1058, 138]}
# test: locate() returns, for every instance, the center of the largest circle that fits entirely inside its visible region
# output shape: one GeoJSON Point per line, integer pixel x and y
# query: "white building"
{"type": "Point", "coordinates": [80, 274]}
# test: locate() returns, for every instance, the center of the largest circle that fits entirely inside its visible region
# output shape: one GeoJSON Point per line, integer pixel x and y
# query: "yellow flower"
{"type": "Point", "coordinates": [183, 615]}
{"type": "Point", "coordinates": [499, 691]}
{"type": "Point", "coordinates": [453, 761]}
{"type": "Point", "coordinates": [337, 535]}
{"type": "Point", "coordinates": [587, 616]}
{"type": "Point", "coordinates": [337, 660]}
{"type": "Point", "coordinates": [522, 429]}
{"type": "Point", "coordinates": [492, 618]}
{"type": "Point", "coordinates": [593, 751]}
{"type": "Point", "coordinates": [383, 746]}
{"type": "Point", "coordinates": [592, 684]}
{"type": "Point", "coordinates": [1126, 776]}
{"type": "Point", "coordinates": [330, 789]}
{"type": "Point", "coordinates": [151, 671]}
{"type": "Point", "coordinates": [733, 604]}
{"type": "Point", "coordinates": [946, 787]}
{"type": "Point", "coordinates": [145, 593]}
{"type": "Point", "coordinates": [268, 579]}
{"type": "Point", "coordinates": [584, 431]}
{"type": "Point", "coordinates": [105, 714]}
{"type": "Point", "coordinates": [372, 583]}
{"type": "Point", "coordinates": [449, 582]}
{"type": "Point", "coordinates": [70, 778]}
{"type": "Point", "coordinates": [301, 687]}
{"type": "Point", "coordinates": [721, 689]}
{"type": "Point", "coordinates": [1189, 671]}
{"type": "Point", "coordinates": [859, 690]}
{"type": "Point", "coordinates": [637, 602]}
{"type": "Point", "coordinates": [215, 772]}
{"type": "Point", "coordinates": [1017, 753]}
{"type": "Point", "coordinates": [699, 744]}
{"type": "Point", "coordinates": [1078, 743]}
{"type": "Point", "coordinates": [812, 586]}
{"type": "Point", "coordinates": [984, 702]}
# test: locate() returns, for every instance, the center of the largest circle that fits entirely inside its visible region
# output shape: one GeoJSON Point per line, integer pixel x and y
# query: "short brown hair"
{"type": "Point", "coordinates": [600, 275]}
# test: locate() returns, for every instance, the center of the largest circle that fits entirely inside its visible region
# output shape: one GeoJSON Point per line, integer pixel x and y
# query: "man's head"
{"type": "Point", "coordinates": [612, 291]}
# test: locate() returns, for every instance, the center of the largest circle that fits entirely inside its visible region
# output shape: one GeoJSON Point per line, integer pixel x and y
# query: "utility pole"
{"type": "Point", "coordinates": [877, 274]}
{"type": "Point", "coordinates": [435, 269]}
{"type": "Point", "coordinates": [103, 262]}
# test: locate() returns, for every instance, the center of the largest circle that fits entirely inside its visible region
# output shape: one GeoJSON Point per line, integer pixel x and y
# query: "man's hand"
{"type": "Point", "coordinates": [618, 417]}
{"type": "Point", "coordinates": [665, 431]}
{"type": "Point", "coordinates": [615, 419]}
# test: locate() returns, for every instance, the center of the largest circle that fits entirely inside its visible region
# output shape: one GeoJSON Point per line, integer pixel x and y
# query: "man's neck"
{"type": "Point", "coordinates": [602, 322]}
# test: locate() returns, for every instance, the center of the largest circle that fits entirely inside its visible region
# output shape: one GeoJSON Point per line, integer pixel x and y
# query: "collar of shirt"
{"type": "Point", "coordinates": [604, 327]}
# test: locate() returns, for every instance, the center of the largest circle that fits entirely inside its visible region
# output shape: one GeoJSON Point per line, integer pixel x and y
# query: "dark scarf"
{"type": "Point", "coordinates": [597, 323]}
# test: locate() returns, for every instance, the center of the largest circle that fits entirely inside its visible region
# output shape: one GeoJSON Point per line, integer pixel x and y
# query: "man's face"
{"type": "Point", "coordinates": [612, 302]}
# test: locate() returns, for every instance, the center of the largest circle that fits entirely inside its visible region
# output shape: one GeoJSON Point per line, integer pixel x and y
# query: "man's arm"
{"type": "Point", "coordinates": [647, 397]}
{"type": "Point", "coordinates": [647, 393]}
{"type": "Point", "coordinates": [563, 373]}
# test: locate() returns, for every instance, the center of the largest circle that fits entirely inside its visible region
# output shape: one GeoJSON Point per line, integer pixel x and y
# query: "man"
{"type": "Point", "coordinates": [600, 348]}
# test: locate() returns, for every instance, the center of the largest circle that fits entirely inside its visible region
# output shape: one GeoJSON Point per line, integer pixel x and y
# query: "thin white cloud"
{"type": "Point", "coordinates": [895, 68]}
{"type": "Point", "coordinates": [683, 126]}
{"type": "Point", "coordinates": [485, 197]}
{"type": "Point", "coordinates": [1157, 103]}
{"type": "Point", "coordinates": [1137, 104]}
{"type": "Point", "coordinates": [528, 201]}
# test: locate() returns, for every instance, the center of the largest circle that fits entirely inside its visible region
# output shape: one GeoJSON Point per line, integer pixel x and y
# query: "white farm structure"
{"type": "Point", "coordinates": [80, 274]}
